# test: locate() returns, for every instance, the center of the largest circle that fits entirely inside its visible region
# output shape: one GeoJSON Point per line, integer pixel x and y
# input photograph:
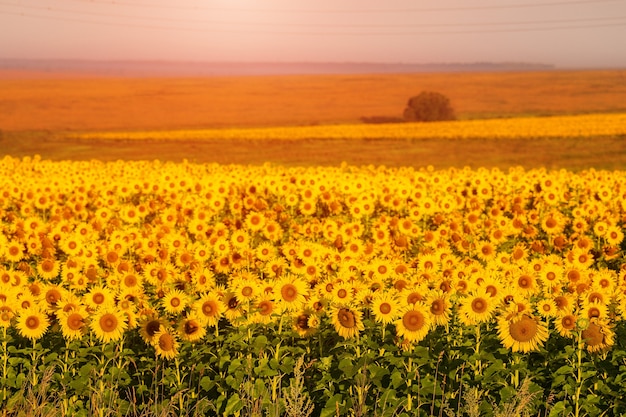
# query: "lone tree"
{"type": "Point", "coordinates": [428, 106]}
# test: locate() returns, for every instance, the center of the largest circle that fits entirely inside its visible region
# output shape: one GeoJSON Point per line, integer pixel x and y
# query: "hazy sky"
{"type": "Point", "coordinates": [574, 33]}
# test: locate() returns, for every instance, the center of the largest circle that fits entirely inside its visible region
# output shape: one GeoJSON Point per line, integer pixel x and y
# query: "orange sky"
{"type": "Point", "coordinates": [565, 33]}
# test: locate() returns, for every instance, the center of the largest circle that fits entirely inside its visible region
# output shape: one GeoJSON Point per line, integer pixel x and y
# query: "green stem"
{"type": "Point", "coordinates": [409, 369]}
{"type": "Point", "coordinates": [179, 385]}
{"type": "Point", "coordinates": [33, 365]}
{"type": "Point", "coordinates": [579, 374]}
{"type": "Point", "coordinates": [5, 361]}
{"type": "Point", "coordinates": [477, 351]}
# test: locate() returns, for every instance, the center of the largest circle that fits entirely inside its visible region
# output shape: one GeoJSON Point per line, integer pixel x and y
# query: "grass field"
{"type": "Point", "coordinates": [38, 113]}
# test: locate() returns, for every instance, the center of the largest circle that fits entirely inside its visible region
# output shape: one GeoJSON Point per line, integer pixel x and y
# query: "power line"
{"type": "Point", "coordinates": [319, 33]}
{"type": "Point", "coordinates": [315, 25]}
{"type": "Point", "coordinates": [353, 11]}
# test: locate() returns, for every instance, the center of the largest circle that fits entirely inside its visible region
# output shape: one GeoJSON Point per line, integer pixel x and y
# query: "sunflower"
{"type": "Point", "coordinates": [191, 329]}
{"type": "Point", "coordinates": [5, 276]}
{"type": "Point", "coordinates": [235, 309]}
{"type": "Point", "coordinates": [165, 343]}
{"type": "Point", "coordinates": [439, 307]}
{"type": "Point", "coordinates": [347, 321]}
{"type": "Point", "coordinates": [266, 309]}
{"type": "Point", "coordinates": [493, 286]}
{"type": "Point", "coordinates": [605, 281]}
{"type": "Point", "coordinates": [73, 323]}
{"type": "Point", "coordinates": [305, 322]}
{"type": "Point", "coordinates": [414, 322]}
{"type": "Point", "coordinates": [255, 221]}
{"type": "Point", "coordinates": [7, 312]}
{"type": "Point", "coordinates": [477, 307]}
{"type": "Point", "coordinates": [48, 269]}
{"type": "Point", "coordinates": [127, 303]}
{"type": "Point", "coordinates": [14, 251]}
{"type": "Point", "coordinates": [380, 269]}
{"type": "Point", "coordinates": [53, 294]}
{"type": "Point", "coordinates": [342, 293]}
{"type": "Point", "coordinates": [240, 239]}
{"type": "Point", "coordinates": [546, 307]}
{"type": "Point", "coordinates": [581, 258]}
{"type": "Point", "coordinates": [246, 286]}
{"type": "Point", "coordinates": [32, 323]}
{"type": "Point", "coordinates": [175, 301]}
{"type": "Point", "coordinates": [149, 325]}
{"type": "Point", "coordinates": [614, 235]}
{"type": "Point", "coordinates": [412, 294]}
{"type": "Point", "coordinates": [71, 244]}
{"type": "Point", "coordinates": [292, 292]}
{"type": "Point", "coordinates": [600, 228]}
{"type": "Point", "coordinates": [108, 324]}
{"type": "Point", "coordinates": [553, 223]}
{"type": "Point", "coordinates": [594, 310]}
{"type": "Point", "coordinates": [25, 300]}
{"type": "Point", "coordinates": [566, 325]}
{"type": "Point", "coordinates": [160, 273]}
{"type": "Point", "coordinates": [598, 336]}
{"type": "Point", "coordinates": [519, 253]}
{"type": "Point", "coordinates": [485, 250]}
{"type": "Point", "coordinates": [565, 303]}
{"type": "Point", "coordinates": [525, 281]}
{"type": "Point", "coordinates": [78, 283]}
{"type": "Point", "coordinates": [275, 267]}
{"type": "Point", "coordinates": [222, 264]}
{"type": "Point", "coordinates": [203, 279]}
{"type": "Point", "coordinates": [131, 281]}
{"type": "Point", "coordinates": [99, 296]}
{"type": "Point", "coordinates": [522, 333]}
{"type": "Point", "coordinates": [272, 231]}
{"type": "Point", "coordinates": [209, 309]}
{"type": "Point", "coordinates": [551, 276]}
{"type": "Point", "coordinates": [265, 251]}
{"type": "Point", "coordinates": [385, 307]}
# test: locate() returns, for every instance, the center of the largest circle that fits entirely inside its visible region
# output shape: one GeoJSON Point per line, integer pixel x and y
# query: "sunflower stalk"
{"type": "Point", "coordinates": [478, 363]}
{"type": "Point", "coordinates": [579, 373]}
{"type": "Point", "coordinates": [5, 361]}
{"type": "Point", "coordinates": [179, 383]}
{"type": "Point", "coordinates": [409, 398]}
{"type": "Point", "coordinates": [65, 368]}
{"type": "Point", "coordinates": [33, 365]}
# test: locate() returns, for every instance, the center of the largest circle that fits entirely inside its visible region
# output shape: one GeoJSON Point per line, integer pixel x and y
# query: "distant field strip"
{"type": "Point", "coordinates": [589, 125]}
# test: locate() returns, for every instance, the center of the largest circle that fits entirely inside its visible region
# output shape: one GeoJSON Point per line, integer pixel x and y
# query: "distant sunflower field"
{"type": "Point", "coordinates": [569, 126]}
{"type": "Point", "coordinates": [152, 288]}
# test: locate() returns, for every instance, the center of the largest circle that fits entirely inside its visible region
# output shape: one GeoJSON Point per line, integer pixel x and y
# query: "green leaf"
{"type": "Point", "coordinates": [376, 374]}
{"type": "Point", "coordinates": [346, 365]}
{"type": "Point", "coordinates": [206, 383]}
{"type": "Point", "coordinates": [558, 409]}
{"type": "Point", "coordinates": [259, 343]}
{"type": "Point", "coordinates": [589, 374]}
{"type": "Point", "coordinates": [263, 369]}
{"type": "Point", "coordinates": [233, 405]}
{"type": "Point", "coordinates": [492, 369]}
{"type": "Point", "coordinates": [330, 408]}
{"type": "Point", "coordinates": [397, 379]}
{"type": "Point", "coordinates": [563, 370]}
{"type": "Point", "coordinates": [507, 393]}
{"type": "Point", "coordinates": [234, 366]}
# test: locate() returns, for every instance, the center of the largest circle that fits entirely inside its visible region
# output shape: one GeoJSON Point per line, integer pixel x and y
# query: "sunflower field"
{"type": "Point", "coordinates": [153, 288]}
{"type": "Point", "coordinates": [566, 126]}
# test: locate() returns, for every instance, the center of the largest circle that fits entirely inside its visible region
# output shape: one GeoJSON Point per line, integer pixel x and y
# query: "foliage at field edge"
{"type": "Point", "coordinates": [233, 290]}
{"type": "Point", "coordinates": [576, 126]}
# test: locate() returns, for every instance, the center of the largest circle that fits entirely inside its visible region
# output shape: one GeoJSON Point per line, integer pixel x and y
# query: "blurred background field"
{"type": "Point", "coordinates": [38, 113]}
